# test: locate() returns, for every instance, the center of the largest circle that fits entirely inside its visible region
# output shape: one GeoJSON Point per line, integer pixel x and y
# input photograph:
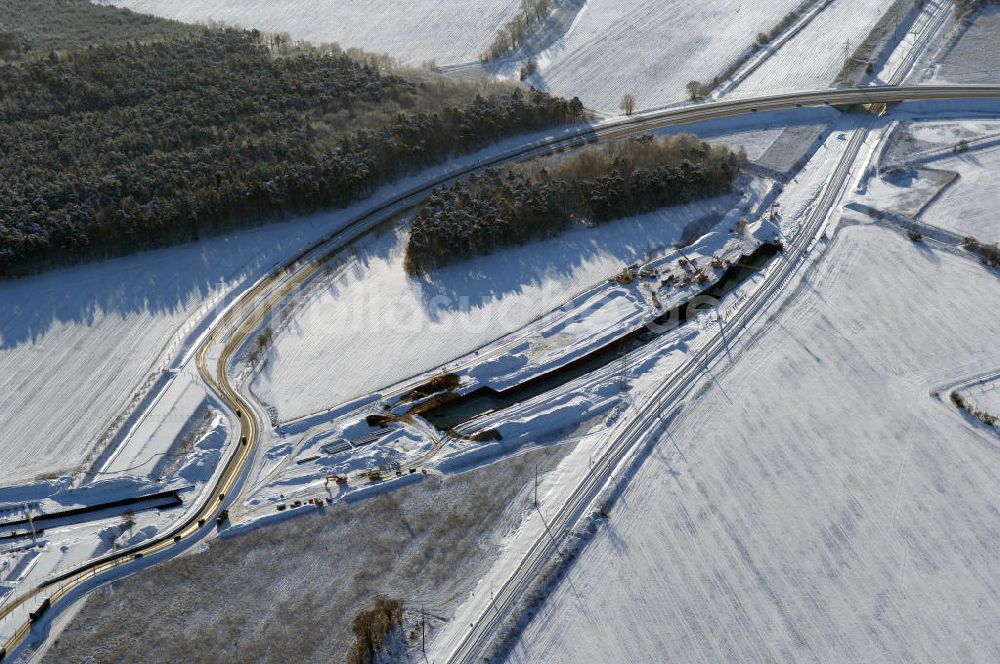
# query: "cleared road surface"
{"type": "Point", "coordinates": [241, 320]}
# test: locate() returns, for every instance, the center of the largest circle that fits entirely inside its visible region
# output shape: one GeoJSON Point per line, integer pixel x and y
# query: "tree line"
{"type": "Point", "coordinates": [39, 26]}
{"type": "Point", "coordinates": [965, 9]}
{"type": "Point", "coordinates": [512, 34]}
{"type": "Point", "coordinates": [597, 184]}
{"type": "Point", "coordinates": [115, 148]}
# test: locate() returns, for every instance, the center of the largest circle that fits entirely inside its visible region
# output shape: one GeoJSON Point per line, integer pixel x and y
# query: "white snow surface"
{"type": "Point", "coordinates": [974, 57]}
{"type": "Point", "coordinates": [985, 395]}
{"type": "Point", "coordinates": [907, 193]}
{"type": "Point", "coordinates": [297, 462]}
{"type": "Point", "coordinates": [447, 31]}
{"type": "Point", "coordinates": [370, 326]}
{"type": "Point", "coordinates": [79, 346]}
{"type": "Point", "coordinates": [308, 450]}
{"type": "Point", "coordinates": [76, 343]}
{"type": "Point", "coordinates": [812, 59]}
{"type": "Point", "coordinates": [969, 206]}
{"type": "Point", "coordinates": [815, 502]}
{"type": "Point", "coordinates": [650, 48]}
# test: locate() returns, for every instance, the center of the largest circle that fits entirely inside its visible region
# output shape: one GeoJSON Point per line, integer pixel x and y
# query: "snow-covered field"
{"type": "Point", "coordinates": [930, 141]}
{"type": "Point", "coordinates": [650, 48]}
{"type": "Point", "coordinates": [907, 191]}
{"type": "Point", "coordinates": [76, 344]}
{"type": "Point", "coordinates": [297, 462]}
{"type": "Point", "coordinates": [815, 501]}
{"type": "Point", "coordinates": [927, 178]}
{"type": "Point", "coordinates": [970, 205]}
{"type": "Point", "coordinates": [247, 598]}
{"type": "Point", "coordinates": [812, 59]}
{"type": "Point", "coordinates": [370, 326]}
{"type": "Point", "coordinates": [974, 58]}
{"type": "Point", "coordinates": [447, 31]}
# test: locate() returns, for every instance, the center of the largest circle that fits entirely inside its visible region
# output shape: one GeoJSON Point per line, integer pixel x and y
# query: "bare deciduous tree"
{"type": "Point", "coordinates": [128, 521]}
{"type": "Point", "coordinates": [628, 104]}
{"type": "Point", "coordinates": [513, 33]}
{"type": "Point", "coordinates": [696, 90]}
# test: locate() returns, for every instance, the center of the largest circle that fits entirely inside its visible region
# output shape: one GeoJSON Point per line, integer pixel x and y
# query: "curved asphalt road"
{"type": "Point", "coordinates": [254, 305]}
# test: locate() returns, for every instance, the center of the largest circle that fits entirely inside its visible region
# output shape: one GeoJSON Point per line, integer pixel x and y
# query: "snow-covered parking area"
{"type": "Point", "coordinates": [815, 502]}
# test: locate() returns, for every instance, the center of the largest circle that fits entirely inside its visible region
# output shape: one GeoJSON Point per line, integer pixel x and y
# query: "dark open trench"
{"type": "Point", "coordinates": [447, 413]}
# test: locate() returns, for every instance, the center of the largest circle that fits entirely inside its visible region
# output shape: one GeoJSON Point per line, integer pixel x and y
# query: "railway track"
{"type": "Point", "coordinates": [545, 549]}
{"type": "Point", "coordinates": [505, 603]}
{"type": "Point", "coordinates": [246, 314]}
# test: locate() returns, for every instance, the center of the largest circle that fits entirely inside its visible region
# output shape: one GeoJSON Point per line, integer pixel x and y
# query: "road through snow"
{"type": "Point", "coordinates": [75, 582]}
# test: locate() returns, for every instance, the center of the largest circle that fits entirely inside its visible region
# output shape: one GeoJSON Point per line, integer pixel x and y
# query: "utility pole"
{"type": "Point", "coordinates": [536, 484]}
{"type": "Point", "coordinates": [423, 640]}
{"type": "Point", "coordinates": [847, 49]}
{"type": "Point", "coordinates": [624, 368]}
{"type": "Point", "coordinates": [722, 332]}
